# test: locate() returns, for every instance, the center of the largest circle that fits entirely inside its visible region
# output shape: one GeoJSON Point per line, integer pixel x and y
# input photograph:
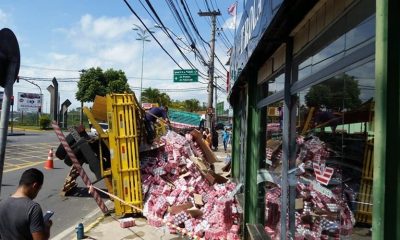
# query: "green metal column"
{"type": "Point", "coordinates": [235, 142]}
{"type": "Point", "coordinates": [256, 130]}
{"type": "Point", "coordinates": [386, 189]}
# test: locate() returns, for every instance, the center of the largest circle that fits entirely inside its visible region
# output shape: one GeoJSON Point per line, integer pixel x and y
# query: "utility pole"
{"type": "Point", "coordinates": [213, 16]}
{"type": "Point", "coordinates": [216, 98]}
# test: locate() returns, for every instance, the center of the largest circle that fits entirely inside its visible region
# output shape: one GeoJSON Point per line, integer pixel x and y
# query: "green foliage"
{"type": "Point", "coordinates": [44, 121]}
{"type": "Point", "coordinates": [176, 104]}
{"type": "Point", "coordinates": [337, 93]}
{"type": "Point", "coordinates": [192, 105]}
{"type": "Point", "coordinates": [153, 95]}
{"type": "Point", "coordinates": [96, 82]}
{"type": "Point", "coordinates": [318, 96]}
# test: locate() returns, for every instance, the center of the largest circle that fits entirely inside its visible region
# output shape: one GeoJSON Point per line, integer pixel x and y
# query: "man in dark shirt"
{"type": "Point", "coordinates": [20, 217]}
{"type": "Point", "coordinates": [151, 117]}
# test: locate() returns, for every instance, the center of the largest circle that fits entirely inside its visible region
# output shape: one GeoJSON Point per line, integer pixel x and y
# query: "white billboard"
{"type": "Point", "coordinates": [29, 102]}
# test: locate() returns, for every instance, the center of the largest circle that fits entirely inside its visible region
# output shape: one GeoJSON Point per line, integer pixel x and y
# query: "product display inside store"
{"type": "Point", "coordinates": [334, 159]}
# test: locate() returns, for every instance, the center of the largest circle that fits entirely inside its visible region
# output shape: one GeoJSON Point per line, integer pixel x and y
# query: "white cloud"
{"type": "Point", "coordinates": [109, 42]}
{"type": "Point", "coordinates": [230, 22]}
{"type": "Point", "coordinates": [121, 53]}
{"type": "Point", "coordinates": [3, 18]}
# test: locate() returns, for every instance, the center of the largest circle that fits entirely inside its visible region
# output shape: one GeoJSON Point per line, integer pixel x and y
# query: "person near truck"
{"type": "Point", "coordinates": [225, 138]}
{"type": "Point", "coordinates": [20, 217]}
{"type": "Point", "coordinates": [151, 117]}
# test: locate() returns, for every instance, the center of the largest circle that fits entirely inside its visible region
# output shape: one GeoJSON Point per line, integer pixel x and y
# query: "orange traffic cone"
{"type": "Point", "coordinates": [49, 163]}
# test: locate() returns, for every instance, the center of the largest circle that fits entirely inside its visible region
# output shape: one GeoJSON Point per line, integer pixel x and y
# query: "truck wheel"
{"type": "Point", "coordinates": [60, 152]}
{"type": "Point", "coordinates": [75, 148]}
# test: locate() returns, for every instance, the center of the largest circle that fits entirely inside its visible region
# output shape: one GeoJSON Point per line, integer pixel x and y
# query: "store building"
{"type": "Point", "coordinates": [314, 131]}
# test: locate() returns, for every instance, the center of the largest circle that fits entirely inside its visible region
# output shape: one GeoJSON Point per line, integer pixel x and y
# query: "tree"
{"type": "Point", "coordinates": [117, 81]}
{"type": "Point", "coordinates": [191, 105]}
{"type": "Point", "coordinates": [153, 95]}
{"type": "Point", "coordinates": [96, 82]}
{"type": "Point", "coordinates": [176, 104]}
{"type": "Point", "coordinates": [338, 93]}
{"type": "Point", "coordinates": [318, 96]}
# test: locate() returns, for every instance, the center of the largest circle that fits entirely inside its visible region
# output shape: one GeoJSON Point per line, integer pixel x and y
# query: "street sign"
{"type": "Point", "coordinates": [186, 75]}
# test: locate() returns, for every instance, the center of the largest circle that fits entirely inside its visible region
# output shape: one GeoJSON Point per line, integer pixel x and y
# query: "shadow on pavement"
{"type": "Point", "coordinates": [84, 192]}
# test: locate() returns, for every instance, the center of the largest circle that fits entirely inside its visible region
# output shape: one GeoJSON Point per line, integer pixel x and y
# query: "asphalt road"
{"type": "Point", "coordinates": [31, 150]}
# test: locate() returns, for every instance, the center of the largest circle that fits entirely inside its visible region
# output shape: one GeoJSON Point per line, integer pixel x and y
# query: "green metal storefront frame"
{"type": "Point", "coordinates": [254, 204]}
{"type": "Point", "coordinates": [235, 143]}
{"type": "Point", "coordinates": [386, 187]}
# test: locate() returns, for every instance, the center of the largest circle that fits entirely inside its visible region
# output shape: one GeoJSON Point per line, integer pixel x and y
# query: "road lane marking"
{"type": "Point", "coordinates": [23, 166]}
{"type": "Point", "coordinates": [19, 159]}
{"type": "Point", "coordinates": [28, 154]}
{"type": "Point", "coordinates": [29, 145]}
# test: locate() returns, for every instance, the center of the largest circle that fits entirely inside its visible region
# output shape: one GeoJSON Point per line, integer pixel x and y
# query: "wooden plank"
{"type": "Point", "coordinates": [208, 154]}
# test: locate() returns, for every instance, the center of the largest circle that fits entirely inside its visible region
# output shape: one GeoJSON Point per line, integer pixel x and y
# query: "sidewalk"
{"type": "Point", "coordinates": [101, 227]}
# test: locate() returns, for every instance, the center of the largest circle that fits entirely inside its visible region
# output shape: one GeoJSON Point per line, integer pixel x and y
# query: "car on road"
{"type": "Point", "coordinates": [104, 126]}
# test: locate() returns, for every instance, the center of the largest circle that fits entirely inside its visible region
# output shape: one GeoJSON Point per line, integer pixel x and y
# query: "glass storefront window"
{"type": "Point", "coordinates": [335, 144]}
{"type": "Point", "coordinates": [273, 164]}
{"type": "Point", "coordinates": [277, 84]}
{"type": "Point", "coordinates": [343, 45]}
{"type": "Point", "coordinates": [360, 34]}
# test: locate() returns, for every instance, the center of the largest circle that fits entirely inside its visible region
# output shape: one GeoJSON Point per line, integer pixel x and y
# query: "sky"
{"type": "Point", "coordinates": [60, 38]}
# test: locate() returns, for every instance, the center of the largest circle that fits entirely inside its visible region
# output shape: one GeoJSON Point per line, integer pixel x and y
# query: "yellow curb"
{"type": "Point", "coordinates": [92, 225]}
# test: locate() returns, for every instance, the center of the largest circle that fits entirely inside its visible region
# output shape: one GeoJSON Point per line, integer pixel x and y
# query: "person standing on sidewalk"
{"type": "Point", "coordinates": [215, 139]}
{"type": "Point", "coordinates": [20, 217]}
{"type": "Point", "coordinates": [225, 138]}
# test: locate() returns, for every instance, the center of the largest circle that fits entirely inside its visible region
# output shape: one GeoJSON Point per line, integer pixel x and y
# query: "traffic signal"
{"type": "Point", "coordinates": [12, 100]}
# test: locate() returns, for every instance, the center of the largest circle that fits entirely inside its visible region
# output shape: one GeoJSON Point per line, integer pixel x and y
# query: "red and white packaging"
{"type": "Point", "coordinates": [127, 222]}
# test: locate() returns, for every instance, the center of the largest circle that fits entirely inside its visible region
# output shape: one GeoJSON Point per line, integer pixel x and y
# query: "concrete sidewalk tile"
{"type": "Point", "coordinates": [110, 228]}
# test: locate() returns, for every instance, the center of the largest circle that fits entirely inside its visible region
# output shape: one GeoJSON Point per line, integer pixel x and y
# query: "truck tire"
{"type": "Point", "coordinates": [60, 152]}
{"type": "Point", "coordinates": [78, 154]}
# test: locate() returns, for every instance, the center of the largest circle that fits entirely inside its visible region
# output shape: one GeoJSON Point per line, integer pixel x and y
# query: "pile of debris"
{"type": "Point", "coordinates": [180, 187]}
{"type": "Point", "coordinates": [322, 210]}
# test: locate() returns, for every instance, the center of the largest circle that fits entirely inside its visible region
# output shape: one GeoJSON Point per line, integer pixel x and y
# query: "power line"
{"type": "Point", "coordinates": [223, 19]}
{"type": "Point", "coordinates": [174, 89]}
{"type": "Point", "coordinates": [51, 69]}
{"type": "Point", "coordinates": [141, 21]}
{"type": "Point", "coordinates": [162, 24]}
{"type": "Point", "coordinates": [191, 19]}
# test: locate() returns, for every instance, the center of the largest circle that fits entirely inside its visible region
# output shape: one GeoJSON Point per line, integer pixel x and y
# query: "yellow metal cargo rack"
{"type": "Point", "coordinates": [103, 137]}
{"type": "Point", "coordinates": [122, 114]}
{"type": "Point", "coordinates": [364, 208]}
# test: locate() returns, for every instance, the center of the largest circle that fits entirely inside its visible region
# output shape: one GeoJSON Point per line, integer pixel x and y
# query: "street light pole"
{"type": "Point", "coordinates": [141, 75]}
{"type": "Point", "coordinates": [143, 35]}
